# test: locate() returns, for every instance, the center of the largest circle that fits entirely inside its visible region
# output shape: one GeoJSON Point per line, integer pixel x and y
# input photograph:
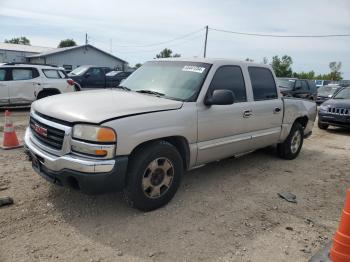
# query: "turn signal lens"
{"type": "Point", "coordinates": [100, 152]}
{"type": "Point", "coordinates": [105, 135]}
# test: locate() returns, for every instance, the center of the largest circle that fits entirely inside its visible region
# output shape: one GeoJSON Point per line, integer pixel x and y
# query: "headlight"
{"type": "Point", "coordinates": [94, 133]}
{"type": "Point", "coordinates": [94, 141]}
{"type": "Point", "coordinates": [323, 108]}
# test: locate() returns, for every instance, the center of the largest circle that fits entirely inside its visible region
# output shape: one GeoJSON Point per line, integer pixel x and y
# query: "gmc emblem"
{"type": "Point", "coordinates": [40, 130]}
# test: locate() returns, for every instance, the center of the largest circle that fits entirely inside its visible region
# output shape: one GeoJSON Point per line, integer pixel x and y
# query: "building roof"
{"type": "Point", "coordinates": [65, 49]}
{"type": "Point", "coordinates": [24, 48]}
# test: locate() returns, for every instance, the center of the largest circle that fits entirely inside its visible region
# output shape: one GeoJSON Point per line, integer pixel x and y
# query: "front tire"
{"type": "Point", "coordinates": [322, 126]}
{"type": "Point", "coordinates": [154, 176]}
{"type": "Point", "coordinates": [291, 147]}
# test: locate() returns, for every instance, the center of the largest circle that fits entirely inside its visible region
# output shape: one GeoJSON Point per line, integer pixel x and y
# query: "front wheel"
{"type": "Point", "coordinates": [154, 176]}
{"type": "Point", "coordinates": [322, 126]}
{"type": "Point", "coordinates": [291, 147]}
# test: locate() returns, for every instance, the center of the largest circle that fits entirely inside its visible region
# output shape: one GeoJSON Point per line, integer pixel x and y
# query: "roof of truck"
{"type": "Point", "coordinates": [219, 61]}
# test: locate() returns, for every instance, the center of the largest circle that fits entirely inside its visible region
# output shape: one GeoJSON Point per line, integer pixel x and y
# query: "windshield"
{"type": "Point", "coordinates": [327, 90]}
{"type": "Point", "coordinates": [113, 73]}
{"type": "Point", "coordinates": [285, 83]}
{"type": "Point", "coordinates": [79, 70]}
{"type": "Point", "coordinates": [173, 79]}
{"type": "Point", "coordinates": [343, 94]}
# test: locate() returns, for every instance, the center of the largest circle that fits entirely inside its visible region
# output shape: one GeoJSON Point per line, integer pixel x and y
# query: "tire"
{"type": "Point", "coordinates": [322, 126]}
{"type": "Point", "coordinates": [45, 94]}
{"type": "Point", "coordinates": [291, 147]}
{"type": "Point", "coordinates": [154, 175]}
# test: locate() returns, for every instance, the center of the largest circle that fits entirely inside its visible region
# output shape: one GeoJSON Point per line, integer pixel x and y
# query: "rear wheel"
{"type": "Point", "coordinates": [43, 94]}
{"type": "Point", "coordinates": [154, 176]}
{"type": "Point", "coordinates": [322, 126]}
{"type": "Point", "coordinates": [291, 147]}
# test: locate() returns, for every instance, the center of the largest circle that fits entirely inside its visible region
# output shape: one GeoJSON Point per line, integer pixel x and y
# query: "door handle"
{"type": "Point", "coordinates": [276, 110]}
{"type": "Point", "coordinates": [247, 113]}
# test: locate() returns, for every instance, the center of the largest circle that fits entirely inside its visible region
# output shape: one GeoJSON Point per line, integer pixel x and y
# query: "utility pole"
{"type": "Point", "coordinates": [86, 39]}
{"type": "Point", "coordinates": [205, 41]}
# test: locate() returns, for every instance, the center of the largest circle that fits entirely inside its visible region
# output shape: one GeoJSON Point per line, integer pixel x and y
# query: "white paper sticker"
{"type": "Point", "coordinates": [195, 69]}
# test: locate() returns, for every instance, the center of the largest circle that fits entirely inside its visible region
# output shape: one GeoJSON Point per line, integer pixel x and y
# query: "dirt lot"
{"type": "Point", "coordinates": [225, 211]}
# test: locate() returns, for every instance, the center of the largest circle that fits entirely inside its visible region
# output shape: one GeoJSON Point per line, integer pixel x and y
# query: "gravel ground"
{"type": "Point", "coordinates": [225, 211]}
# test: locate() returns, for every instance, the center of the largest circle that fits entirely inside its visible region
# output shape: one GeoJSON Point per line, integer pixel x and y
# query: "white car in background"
{"type": "Point", "coordinates": [21, 84]}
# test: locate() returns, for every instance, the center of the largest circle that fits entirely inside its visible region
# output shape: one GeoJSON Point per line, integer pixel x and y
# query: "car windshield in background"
{"type": "Point", "coordinates": [113, 73]}
{"type": "Point", "coordinates": [79, 71]}
{"type": "Point", "coordinates": [285, 83]}
{"type": "Point", "coordinates": [174, 79]}
{"type": "Point", "coordinates": [327, 91]}
{"type": "Point", "coordinates": [343, 94]}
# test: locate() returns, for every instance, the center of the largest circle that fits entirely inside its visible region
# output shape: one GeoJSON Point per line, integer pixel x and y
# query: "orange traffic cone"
{"type": "Point", "coordinates": [10, 140]}
{"type": "Point", "coordinates": [340, 251]}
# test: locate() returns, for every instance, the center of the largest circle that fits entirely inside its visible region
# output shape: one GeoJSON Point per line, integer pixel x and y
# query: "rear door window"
{"type": "Point", "coordinates": [304, 86]}
{"type": "Point", "coordinates": [51, 73]}
{"type": "Point", "coordinates": [263, 83]}
{"type": "Point", "coordinates": [230, 78]}
{"type": "Point", "coordinates": [2, 74]}
{"type": "Point", "coordinates": [22, 74]}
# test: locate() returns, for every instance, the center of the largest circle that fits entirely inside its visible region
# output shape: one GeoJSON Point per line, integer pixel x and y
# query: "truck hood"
{"type": "Point", "coordinates": [100, 105]}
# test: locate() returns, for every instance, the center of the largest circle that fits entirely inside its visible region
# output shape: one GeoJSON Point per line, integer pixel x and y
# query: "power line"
{"type": "Point", "coordinates": [285, 36]}
{"type": "Point", "coordinates": [165, 42]}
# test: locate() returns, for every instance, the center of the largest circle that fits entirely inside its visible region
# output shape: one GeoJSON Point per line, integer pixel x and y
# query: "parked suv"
{"type": "Point", "coordinates": [299, 88]}
{"type": "Point", "coordinates": [335, 111]}
{"type": "Point", "coordinates": [21, 84]}
{"type": "Point", "coordinates": [169, 116]}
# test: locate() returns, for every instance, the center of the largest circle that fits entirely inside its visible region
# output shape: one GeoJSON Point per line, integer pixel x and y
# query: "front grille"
{"type": "Point", "coordinates": [53, 137]}
{"type": "Point", "coordinates": [339, 111]}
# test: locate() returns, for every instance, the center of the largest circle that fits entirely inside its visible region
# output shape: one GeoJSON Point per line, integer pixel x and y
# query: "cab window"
{"type": "Point", "coordinates": [230, 78]}
{"type": "Point", "coordinates": [263, 83]}
{"type": "Point", "coordinates": [2, 74]}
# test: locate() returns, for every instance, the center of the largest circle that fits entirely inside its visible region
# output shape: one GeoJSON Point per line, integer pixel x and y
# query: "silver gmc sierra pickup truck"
{"type": "Point", "coordinates": [169, 116]}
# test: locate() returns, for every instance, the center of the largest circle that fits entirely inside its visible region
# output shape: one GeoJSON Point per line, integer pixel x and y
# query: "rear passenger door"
{"type": "Point", "coordinates": [22, 85]}
{"type": "Point", "coordinates": [267, 110]}
{"type": "Point", "coordinates": [4, 91]}
{"type": "Point", "coordinates": [222, 129]}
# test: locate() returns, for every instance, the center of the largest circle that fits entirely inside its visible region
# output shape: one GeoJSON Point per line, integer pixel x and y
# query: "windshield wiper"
{"type": "Point", "coordinates": [123, 87]}
{"type": "Point", "coordinates": [143, 91]}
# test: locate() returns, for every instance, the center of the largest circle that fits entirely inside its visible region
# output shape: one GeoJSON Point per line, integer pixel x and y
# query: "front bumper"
{"type": "Point", "coordinates": [87, 175]}
{"type": "Point", "coordinates": [334, 119]}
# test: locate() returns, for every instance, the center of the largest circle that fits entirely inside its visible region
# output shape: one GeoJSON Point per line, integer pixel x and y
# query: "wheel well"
{"type": "Point", "coordinates": [51, 91]}
{"type": "Point", "coordinates": [302, 120]}
{"type": "Point", "coordinates": [77, 87]}
{"type": "Point", "coordinates": [179, 142]}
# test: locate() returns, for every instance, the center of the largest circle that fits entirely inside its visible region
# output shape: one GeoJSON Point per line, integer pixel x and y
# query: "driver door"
{"type": "Point", "coordinates": [222, 129]}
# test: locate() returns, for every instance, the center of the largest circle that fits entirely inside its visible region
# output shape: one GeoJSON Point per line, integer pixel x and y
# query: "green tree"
{"type": "Point", "coordinates": [335, 73]}
{"type": "Point", "coordinates": [166, 52]}
{"type": "Point", "coordinates": [282, 66]}
{"type": "Point", "coordinates": [137, 65]}
{"type": "Point", "coordinates": [304, 75]}
{"type": "Point", "coordinates": [18, 40]}
{"type": "Point", "coordinates": [67, 43]}
{"type": "Point", "coordinates": [249, 59]}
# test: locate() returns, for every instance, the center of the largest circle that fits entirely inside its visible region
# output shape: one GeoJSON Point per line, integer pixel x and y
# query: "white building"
{"type": "Point", "coordinates": [69, 57]}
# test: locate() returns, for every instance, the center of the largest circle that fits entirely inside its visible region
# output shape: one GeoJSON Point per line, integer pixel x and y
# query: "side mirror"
{"type": "Point", "coordinates": [220, 97]}
{"type": "Point", "coordinates": [87, 75]}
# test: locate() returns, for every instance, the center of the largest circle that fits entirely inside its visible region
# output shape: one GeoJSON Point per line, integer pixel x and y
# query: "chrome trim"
{"type": "Point", "coordinates": [88, 147]}
{"type": "Point", "coordinates": [229, 141]}
{"type": "Point", "coordinates": [71, 162]}
{"type": "Point", "coordinates": [66, 149]}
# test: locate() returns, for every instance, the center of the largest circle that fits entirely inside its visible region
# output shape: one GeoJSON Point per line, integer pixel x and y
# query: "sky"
{"type": "Point", "coordinates": [134, 30]}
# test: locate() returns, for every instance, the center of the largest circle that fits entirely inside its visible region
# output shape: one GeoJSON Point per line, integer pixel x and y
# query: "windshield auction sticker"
{"type": "Point", "coordinates": [195, 69]}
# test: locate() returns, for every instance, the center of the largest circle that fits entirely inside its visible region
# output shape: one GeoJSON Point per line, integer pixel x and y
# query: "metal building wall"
{"type": "Point", "coordinates": [7, 56]}
{"type": "Point", "coordinates": [78, 57]}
